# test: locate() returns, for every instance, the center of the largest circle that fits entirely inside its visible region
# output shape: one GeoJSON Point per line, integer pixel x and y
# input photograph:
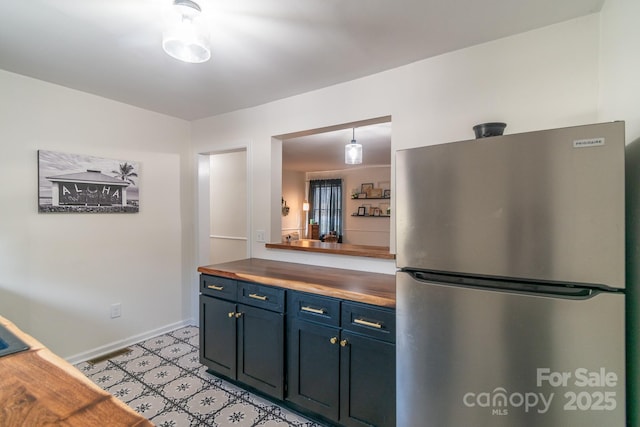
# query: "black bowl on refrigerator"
{"type": "Point", "coordinates": [485, 130]}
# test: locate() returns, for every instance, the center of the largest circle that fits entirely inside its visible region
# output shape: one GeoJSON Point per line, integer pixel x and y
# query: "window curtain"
{"type": "Point", "coordinates": [325, 204]}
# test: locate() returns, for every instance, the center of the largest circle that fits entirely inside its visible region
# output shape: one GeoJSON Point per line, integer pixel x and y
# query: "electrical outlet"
{"type": "Point", "coordinates": [260, 236]}
{"type": "Point", "coordinates": [116, 310]}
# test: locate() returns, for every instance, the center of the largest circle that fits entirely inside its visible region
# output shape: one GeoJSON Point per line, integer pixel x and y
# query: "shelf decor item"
{"type": "Point", "coordinates": [362, 211]}
{"type": "Point", "coordinates": [375, 193]}
{"type": "Point", "coordinates": [366, 188]}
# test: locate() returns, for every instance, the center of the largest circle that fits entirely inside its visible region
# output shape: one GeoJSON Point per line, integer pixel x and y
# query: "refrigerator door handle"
{"type": "Point", "coordinates": [502, 285]}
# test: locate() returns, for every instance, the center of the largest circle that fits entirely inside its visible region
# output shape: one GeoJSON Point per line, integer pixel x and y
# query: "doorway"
{"type": "Point", "coordinates": [223, 207]}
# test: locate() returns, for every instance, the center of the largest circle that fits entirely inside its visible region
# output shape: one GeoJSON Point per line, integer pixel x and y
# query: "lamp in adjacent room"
{"type": "Point", "coordinates": [353, 151]}
{"type": "Point", "coordinates": [183, 39]}
{"type": "Point", "coordinates": [305, 206]}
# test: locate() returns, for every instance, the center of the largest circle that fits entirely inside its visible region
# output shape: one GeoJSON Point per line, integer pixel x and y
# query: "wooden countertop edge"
{"type": "Point", "coordinates": [332, 250]}
{"type": "Point", "coordinates": [36, 347]}
{"type": "Point", "coordinates": [313, 288]}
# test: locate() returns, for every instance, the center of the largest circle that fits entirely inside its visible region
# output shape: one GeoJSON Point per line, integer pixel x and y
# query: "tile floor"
{"type": "Point", "coordinates": [162, 379]}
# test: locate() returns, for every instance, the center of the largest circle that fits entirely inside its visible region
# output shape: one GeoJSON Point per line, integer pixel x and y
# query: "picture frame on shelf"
{"type": "Point", "coordinates": [367, 208]}
{"type": "Point", "coordinates": [376, 211]}
{"type": "Point", "coordinates": [362, 211]}
{"type": "Point", "coordinates": [362, 195]}
{"type": "Point", "coordinates": [387, 194]}
{"type": "Point", "coordinates": [366, 188]}
{"type": "Point", "coordinates": [375, 193]}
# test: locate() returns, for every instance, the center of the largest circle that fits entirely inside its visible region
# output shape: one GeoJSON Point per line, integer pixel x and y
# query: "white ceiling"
{"type": "Point", "coordinates": [262, 50]}
{"type": "Point", "coordinates": [324, 151]}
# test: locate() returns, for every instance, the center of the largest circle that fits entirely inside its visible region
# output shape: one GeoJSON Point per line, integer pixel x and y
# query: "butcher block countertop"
{"type": "Point", "coordinates": [381, 252]}
{"type": "Point", "coordinates": [361, 286]}
{"type": "Point", "coordinates": [39, 388]}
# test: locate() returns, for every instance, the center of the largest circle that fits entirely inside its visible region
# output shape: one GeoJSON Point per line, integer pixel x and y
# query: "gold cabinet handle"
{"type": "Point", "coordinates": [231, 314]}
{"type": "Point", "coordinates": [313, 310]}
{"type": "Point", "coordinates": [344, 343]}
{"type": "Point", "coordinates": [256, 296]}
{"type": "Point", "coordinates": [238, 315]}
{"type": "Point", "coordinates": [333, 340]}
{"type": "Point", "coordinates": [215, 288]}
{"type": "Point", "coordinates": [367, 323]}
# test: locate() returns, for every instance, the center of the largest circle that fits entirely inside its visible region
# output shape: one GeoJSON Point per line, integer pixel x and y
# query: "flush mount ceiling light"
{"type": "Point", "coordinates": [183, 40]}
{"type": "Point", "coordinates": [353, 151]}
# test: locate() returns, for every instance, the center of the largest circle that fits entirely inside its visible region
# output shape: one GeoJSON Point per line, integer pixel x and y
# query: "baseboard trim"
{"type": "Point", "coordinates": [116, 345]}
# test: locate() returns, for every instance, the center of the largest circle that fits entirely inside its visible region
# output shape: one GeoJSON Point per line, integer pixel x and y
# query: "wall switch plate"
{"type": "Point", "coordinates": [260, 236]}
{"type": "Point", "coordinates": [116, 310]}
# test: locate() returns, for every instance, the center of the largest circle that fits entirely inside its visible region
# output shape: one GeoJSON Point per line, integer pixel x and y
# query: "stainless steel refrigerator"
{"type": "Point", "coordinates": [511, 281]}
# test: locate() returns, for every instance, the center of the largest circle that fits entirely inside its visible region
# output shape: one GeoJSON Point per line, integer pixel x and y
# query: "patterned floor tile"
{"type": "Point", "coordinates": [291, 418]}
{"type": "Point", "coordinates": [108, 377]}
{"type": "Point", "coordinates": [239, 413]}
{"type": "Point", "coordinates": [149, 405]}
{"type": "Point", "coordinates": [190, 361]}
{"type": "Point", "coordinates": [175, 418]}
{"type": "Point", "coordinates": [128, 390]}
{"type": "Point", "coordinates": [175, 351]}
{"type": "Point", "coordinates": [158, 342]}
{"type": "Point", "coordinates": [162, 379]}
{"type": "Point", "coordinates": [183, 387]}
{"type": "Point", "coordinates": [142, 364]}
{"type": "Point", "coordinates": [208, 401]}
{"type": "Point", "coordinates": [162, 374]}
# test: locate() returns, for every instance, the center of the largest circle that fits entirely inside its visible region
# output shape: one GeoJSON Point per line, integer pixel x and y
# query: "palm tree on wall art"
{"type": "Point", "coordinates": [126, 172]}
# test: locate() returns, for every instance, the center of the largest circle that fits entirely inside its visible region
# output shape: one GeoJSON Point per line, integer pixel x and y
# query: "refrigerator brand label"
{"type": "Point", "coordinates": [584, 390]}
{"type": "Point", "coordinates": [591, 142]}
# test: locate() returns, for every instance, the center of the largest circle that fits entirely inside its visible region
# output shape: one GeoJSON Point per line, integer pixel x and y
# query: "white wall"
{"type": "Point", "coordinates": [620, 65]}
{"type": "Point", "coordinates": [228, 206]}
{"type": "Point", "coordinates": [59, 273]}
{"type": "Point", "coordinates": [541, 79]}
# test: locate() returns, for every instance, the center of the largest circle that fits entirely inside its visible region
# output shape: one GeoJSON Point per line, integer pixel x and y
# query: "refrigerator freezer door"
{"type": "Point", "coordinates": [545, 205]}
{"type": "Point", "coordinates": [477, 358]}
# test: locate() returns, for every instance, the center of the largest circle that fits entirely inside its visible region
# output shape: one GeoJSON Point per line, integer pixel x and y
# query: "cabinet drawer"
{"type": "Point", "coordinates": [368, 320]}
{"type": "Point", "coordinates": [261, 296]}
{"type": "Point", "coordinates": [314, 308]}
{"type": "Point", "coordinates": [219, 287]}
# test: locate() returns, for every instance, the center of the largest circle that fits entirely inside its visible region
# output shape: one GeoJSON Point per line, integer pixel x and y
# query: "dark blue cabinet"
{"type": "Point", "coordinates": [243, 342]}
{"type": "Point", "coordinates": [341, 360]}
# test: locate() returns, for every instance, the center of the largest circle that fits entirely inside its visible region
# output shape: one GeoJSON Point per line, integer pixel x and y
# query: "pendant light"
{"type": "Point", "coordinates": [353, 151]}
{"type": "Point", "coordinates": [183, 39]}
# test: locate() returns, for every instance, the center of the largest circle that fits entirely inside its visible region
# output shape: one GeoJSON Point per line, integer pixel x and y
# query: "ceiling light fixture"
{"type": "Point", "coordinates": [353, 151]}
{"type": "Point", "coordinates": [182, 40]}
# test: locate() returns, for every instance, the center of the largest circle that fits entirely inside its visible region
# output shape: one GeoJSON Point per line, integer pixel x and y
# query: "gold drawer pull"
{"type": "Point", "coordinates": [256, 296]}
{"type": "Point", "coordinates": [333, 340]}
{"type": "Point", "coordinates": [231, 314]}
{"type": "Point", "coordinates": [344, 343]}
{"type": "Point", "coordinates": [313, 310]}
{"type": "Point", "coordinates": [215, 288]}
{"type": "Point", "coordinates": [366, 323]}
